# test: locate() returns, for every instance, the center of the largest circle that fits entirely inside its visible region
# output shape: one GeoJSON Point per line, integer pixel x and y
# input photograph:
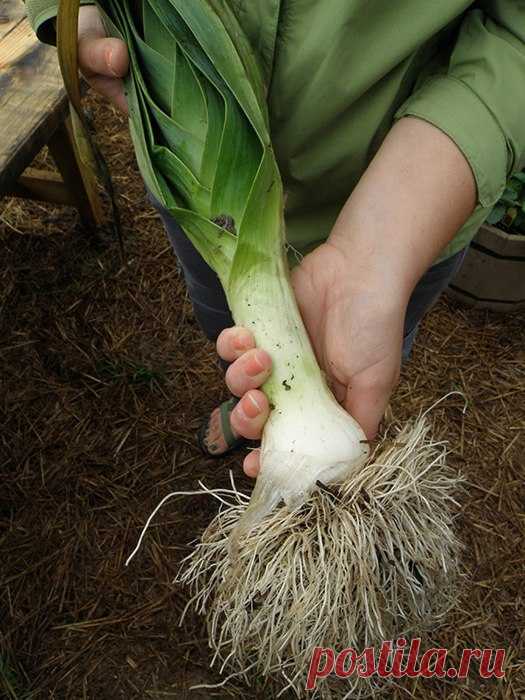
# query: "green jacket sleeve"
{"type": "Point", "coordinates": [41, 14]}
{"type": "Point", "coordinates": [479, 100]}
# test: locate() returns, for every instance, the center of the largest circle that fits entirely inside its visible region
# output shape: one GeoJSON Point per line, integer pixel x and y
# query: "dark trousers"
{"type": "Point", "coordinates": [211, 308]}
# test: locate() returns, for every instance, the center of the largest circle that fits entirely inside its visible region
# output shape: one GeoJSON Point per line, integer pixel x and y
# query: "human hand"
{"type": "Point", "coordinates": [103, 60]}
{"type": "Point", "coordinates": [357, 336]}
{"type": "Point", "coordinates": [353, 290]}
{"type": "Point", "coordinates": [356, 329]}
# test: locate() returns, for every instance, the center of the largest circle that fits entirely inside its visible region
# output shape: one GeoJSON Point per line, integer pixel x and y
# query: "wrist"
{"type": "Point", "coordinates": [409, 204]}
{"type": "Point", "coordinates": [376, 265]}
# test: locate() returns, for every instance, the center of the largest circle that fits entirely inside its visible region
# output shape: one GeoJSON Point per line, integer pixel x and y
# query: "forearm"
{"type": "Point", "coordinates": [411, 201]}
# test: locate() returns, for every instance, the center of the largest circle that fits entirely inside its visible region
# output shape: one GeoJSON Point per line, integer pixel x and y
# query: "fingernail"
{"type": "Point", "coordinates": [251, 407]}
{"type": "Point", "coordinates": [109, 61]}
{"type": "Point", "coordinates": [248, 408]}
{"type": "Point", "coordinates": [241, 342]}
{"type": "Point", "coordinates": [255, 367]}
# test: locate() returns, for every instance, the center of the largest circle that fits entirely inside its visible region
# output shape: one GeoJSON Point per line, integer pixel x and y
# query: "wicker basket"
{"type": "Point", "coordinates": [493, 273]}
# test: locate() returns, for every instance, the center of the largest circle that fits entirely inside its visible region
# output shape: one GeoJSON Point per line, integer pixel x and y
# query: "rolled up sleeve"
{"type": "Point", "coordinates": [480, 100]}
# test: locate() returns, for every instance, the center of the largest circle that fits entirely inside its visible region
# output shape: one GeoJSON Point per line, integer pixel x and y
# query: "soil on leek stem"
{"type": "Point", "coordinates": [105, 379]}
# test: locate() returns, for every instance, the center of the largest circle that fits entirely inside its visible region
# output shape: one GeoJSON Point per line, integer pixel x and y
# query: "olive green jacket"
{"type": "Point", "coordinates": [341, 71]}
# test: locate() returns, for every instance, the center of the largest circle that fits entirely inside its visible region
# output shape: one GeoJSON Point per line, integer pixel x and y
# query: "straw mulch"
{"type": "Point", "coordinates": [104, 379]}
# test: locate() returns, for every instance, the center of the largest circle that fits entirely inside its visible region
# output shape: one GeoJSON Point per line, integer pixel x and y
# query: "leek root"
{"type": "Point", "coordinates": [374, 559]}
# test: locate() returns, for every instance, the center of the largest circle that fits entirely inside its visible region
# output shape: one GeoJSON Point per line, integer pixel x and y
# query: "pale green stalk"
{"type": "Point", "coordinates": [199, 123]}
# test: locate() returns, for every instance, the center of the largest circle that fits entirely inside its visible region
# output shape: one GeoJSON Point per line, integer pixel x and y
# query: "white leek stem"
{"type": "Point", "coordinates": [309, 437]}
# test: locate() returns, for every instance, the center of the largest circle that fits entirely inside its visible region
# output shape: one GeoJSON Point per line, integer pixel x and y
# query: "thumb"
{"type": "Point", "coordinates": [106, 57]}
{"type": "Point", "coordinates": [367, 402]}
{"type": "Point", "coordinates": [369, 415]}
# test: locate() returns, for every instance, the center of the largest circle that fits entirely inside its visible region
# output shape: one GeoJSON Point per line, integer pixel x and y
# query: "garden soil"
{"type": "Point", "coordinates": [105, 378]}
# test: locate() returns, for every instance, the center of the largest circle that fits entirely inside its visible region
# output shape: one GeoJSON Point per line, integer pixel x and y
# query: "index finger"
{"type": "Point", "coordinates": [233, 342]}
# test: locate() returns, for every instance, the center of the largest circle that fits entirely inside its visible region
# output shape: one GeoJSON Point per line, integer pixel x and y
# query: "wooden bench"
{"type": "Point", "coordinates": [34, 112]}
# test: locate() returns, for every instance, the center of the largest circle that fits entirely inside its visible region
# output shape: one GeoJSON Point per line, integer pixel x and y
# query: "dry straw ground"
{"type": "Point", "coordinates": [104, 379]}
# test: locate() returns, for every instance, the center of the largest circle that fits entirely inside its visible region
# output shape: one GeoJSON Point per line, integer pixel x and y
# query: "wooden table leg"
{"type": "Point", "coordinates": [80, 182]}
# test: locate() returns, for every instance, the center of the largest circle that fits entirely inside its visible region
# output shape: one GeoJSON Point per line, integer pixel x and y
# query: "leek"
{"type": "Point", "coordinates": [352, 565]}
{"type": "Point", "coordinates": [200, 128]}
